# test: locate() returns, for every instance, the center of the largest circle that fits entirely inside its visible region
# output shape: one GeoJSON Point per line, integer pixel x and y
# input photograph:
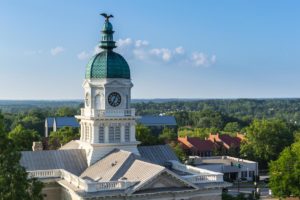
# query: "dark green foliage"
{"type": "Point", "coordinates": [168, 135]}
{"type": "Point", "coordinates": [265, 139]}
{"type": "Point", "coordinates": [13, 177]}
{"type": "Point", "coordinates": [201, 133]}
{"type": "Point", "coordinates": [285, 172]}
{"type": "Point", "coordinates": [66, 112]}
{"type": "Point", "coordinates": [232, 127]}
{"type": "Point", "coordinates": [181, 155]}
{"type": "Point", "coordinates": [244, 109]}
{"type": "Point", "coordinates": [143, 134]}
{"type": "Point", "coordinates": [63, 136]}
{"type": "Point", "coordinates": [23, 138]}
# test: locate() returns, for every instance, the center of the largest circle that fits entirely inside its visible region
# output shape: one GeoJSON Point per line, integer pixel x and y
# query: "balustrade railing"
{"type": "Point", "coordinates": [108, 113]}
{"type": "Point", "coordinates": [80, 183]}
{"type": "Point", "coordinates": [198, 175]}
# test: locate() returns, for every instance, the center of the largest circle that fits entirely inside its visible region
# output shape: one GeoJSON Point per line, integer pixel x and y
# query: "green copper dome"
{"type": "Point", "coordinates": [107, 64]}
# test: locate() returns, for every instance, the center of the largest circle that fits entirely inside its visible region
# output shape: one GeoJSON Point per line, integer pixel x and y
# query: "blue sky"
{"type": "Point", "coordinates": [175, 48]}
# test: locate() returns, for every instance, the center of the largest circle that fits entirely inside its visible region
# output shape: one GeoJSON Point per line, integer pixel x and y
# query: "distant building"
{"type": "Point", "coordinates": [106, 162]}
{"type": "Point", "coordinates": [196, 146]}
{"type": "Point", "coordinates": [225, 141]}
{"type": "Point", "coordinates": [158, 123]}
{"type": "Point", "coordinates": [232, 168]}
{"type": "Point", "coordinates": [54, 123]}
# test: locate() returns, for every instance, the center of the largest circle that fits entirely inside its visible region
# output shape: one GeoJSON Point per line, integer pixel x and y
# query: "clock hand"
{"type": "Point", "coordinates": [114, 99]}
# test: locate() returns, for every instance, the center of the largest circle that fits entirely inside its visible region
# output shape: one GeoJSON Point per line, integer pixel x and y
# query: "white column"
{"type": "Point", "coordinates": [92, 131]}
{"type": "Point", "coordinates": [132, 133]}
{"type": "Point", "coordinates": [81, 131]}
{"type": "Point", "coordinates": [122, 132]}
{"type": "Point", "coordinates": [106, 133]}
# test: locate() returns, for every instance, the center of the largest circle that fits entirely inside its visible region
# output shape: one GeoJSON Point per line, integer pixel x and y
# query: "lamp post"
{"type": "Point", "coordinates": [255, 187]}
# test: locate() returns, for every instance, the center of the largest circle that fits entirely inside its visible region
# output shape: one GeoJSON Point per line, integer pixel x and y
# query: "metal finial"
{"type": "Point", "coordinates": [106, 16]}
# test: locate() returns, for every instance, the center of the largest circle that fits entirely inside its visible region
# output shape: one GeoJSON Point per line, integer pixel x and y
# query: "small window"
{"type": "Point", "coordinates": [127, 132]}
{"type": "Point", "coordinates": [111, 134]}
{"type": "Point", "coordinates": [101, 134]}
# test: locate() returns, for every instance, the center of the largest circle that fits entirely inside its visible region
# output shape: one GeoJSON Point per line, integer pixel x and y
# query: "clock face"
{"type": "Point", "coordinates": [114, 99]}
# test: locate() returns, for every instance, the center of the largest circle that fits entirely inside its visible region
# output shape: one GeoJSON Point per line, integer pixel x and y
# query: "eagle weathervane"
{"type": "Point", "coordinates": [106, 16]}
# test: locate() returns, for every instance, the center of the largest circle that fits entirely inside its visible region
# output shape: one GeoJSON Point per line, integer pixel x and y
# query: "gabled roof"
{"type": "Point", "coordinates": [197, 143]}
{"type": "Point", "coordinates": [157, 120]}
{"type": "Point", "coordinates": [62, 121]}
{"type": "Point", "coordinates": [73, 160]}
{"type": "Point", "coordinates": [124, 165]}
{"type": "Point", "coordinates": [235, 141]}
{"type": "Point", "coordinates": [158, 154]}
{"type": "Point", "coordinates": [106, 168]}
{"type": "Point", "coordinates": [73, 144]}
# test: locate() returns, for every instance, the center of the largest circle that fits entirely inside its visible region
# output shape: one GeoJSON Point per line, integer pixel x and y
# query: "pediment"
{"type": "Point", "coordinates": [118, 83]}
{"type": "Point", "coordinates": [165, 181]}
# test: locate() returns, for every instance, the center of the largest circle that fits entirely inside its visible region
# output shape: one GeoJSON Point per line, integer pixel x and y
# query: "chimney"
{"type": "Point", "coordinates": [37, 146]}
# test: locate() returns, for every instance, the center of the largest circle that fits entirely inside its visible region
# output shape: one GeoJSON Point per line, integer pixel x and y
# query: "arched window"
{"type": "Point", "coordinates": [97, 102]}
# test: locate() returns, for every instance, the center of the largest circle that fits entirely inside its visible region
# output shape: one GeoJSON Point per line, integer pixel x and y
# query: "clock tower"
{"type": "Point", "coordinates": [107, 121]}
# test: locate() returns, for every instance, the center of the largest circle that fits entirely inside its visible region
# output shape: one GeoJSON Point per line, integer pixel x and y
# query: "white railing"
{"type": "Point", "coordinates": [198, 175]}
{"type": "Point", "coordinates": [88, 186]}
{"type": "Point", "coordinates": [108, 113]}
{"type": "Point", "coordinates": [55, 173]}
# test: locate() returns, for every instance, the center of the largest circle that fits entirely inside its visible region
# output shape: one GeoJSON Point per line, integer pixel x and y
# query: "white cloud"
{"type": "Point", "coordinates": [141, 43]}
{"type": "Point", "coordinates": [163, 53]}
{"type": "Point", "coordinates": [213, 59]}
{"type": "Point", "coordinates": [83, 55]}
{"type": "Point", "coordinates": [201, 59]}
{"type": "Point", "coordinates": [121, 43]}
{"type": "Point", "coordinates": [96, 50]}
{"type": "Point", "coordinates": [179, 50]}
{"type": "Point", "coordinates": [141, 50]}
{"type": "Point", "coordinates": [57, 50]}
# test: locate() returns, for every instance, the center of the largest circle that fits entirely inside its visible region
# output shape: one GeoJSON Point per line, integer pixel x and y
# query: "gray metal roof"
{"type": "Point", "coordinates": [49, 121]}
{"type": "Point", "coordinates": [106, 168]}
{"type": "Point", "coordinates": [157, 121]}
{"type": "Point", "coordinates": [66, 121]}
{"type": "Point", "coordinates": [73, 144]}
{"type": "Point", "coordinates": [62, 121]}
{"type": "Point", "coordinates": [120, 164]}
{"type": "Point", "coordinates": [158, 154]}
{"type": "Point", "coordinates": [73, 160]}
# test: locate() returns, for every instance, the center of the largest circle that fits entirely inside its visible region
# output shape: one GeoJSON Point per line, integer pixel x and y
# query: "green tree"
{"type": "Point", "coordinates": [232, 127]}
{"type": "Point", "coordinates": [66, 112]}
{"type": "Point", "coordinates": [265, 139]}
{"type": "Point", "coordinates": [13, 178]}
{"type": "Point", "coordinates": [285, 172]}
{"type": "Point", "coordinates": [23, 138]}
{"type": "Point", "coordinates": [181, 155]}
{"type": "Point", "coordinates": [63, 136]}
{"type": "Point", "coordinates": [143, 134]}
{"type": "Point", "coordinates": [168, 135]}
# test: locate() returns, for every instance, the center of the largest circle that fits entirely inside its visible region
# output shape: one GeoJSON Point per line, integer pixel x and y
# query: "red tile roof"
{"type": "Point", "coordinates": [230, 141]}
{"type": "Point", "coordinates": [198, 144]}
